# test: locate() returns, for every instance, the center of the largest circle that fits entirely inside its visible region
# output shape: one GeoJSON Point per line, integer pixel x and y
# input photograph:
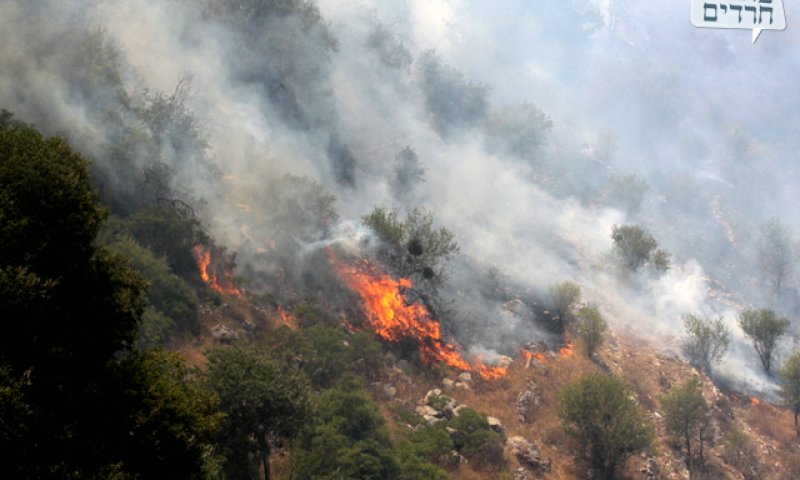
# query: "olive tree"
{"type": "Point", "coordinates": [413, 247]}
{"type": "Point", "coordinates": [563, 297]}
{"type": "Point", "coordinates": [790, 388]}
{"type": "Point", "coordinates": [636, 247]}
{"type": "Point", "coordinates": [598, 411]}
{"type": "Point", "coordinates": [686, 415]}
{"type": "Point", "coordinates": [262, 402]}
{"type": "Point", "coordinates": [591, 328]}
{"type": "Point", "coordinates": [776, 253]}
{"type": "Point", "coordinates": [706, 340]}
{"type": "Point", "coordinates": [764, 329]}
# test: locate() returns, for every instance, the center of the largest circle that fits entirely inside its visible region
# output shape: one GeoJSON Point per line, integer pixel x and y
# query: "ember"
{"type": "Point", "coordinates": [755, 401]}
{"type": "Point", "coordinates": [393, 319]}
{"type": "Point", "coordinates": [211, 278]}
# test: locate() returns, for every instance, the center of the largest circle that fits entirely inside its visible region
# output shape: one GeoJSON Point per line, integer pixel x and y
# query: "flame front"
{"type": "Point", "coordinates": [211, 279]}
{"type": "Point", "coordinates": [393, 319]}
{"type": "Point", "coordinates": [567, 351]}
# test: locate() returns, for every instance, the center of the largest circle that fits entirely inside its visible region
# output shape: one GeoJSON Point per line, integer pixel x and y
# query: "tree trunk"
{"type": "Point", "coordinates": [265, 456]}
{"type": "Point", "coordinates": [688, 451]}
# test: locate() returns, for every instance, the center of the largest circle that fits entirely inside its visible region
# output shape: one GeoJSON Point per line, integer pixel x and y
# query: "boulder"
{"type": "Point", "coordinates": [426, 411]}
{"type": "Point", "coordinates": [465, 377]}
{"type": "Point", "coordinates": [520, 474]}
{"type": "Point", "coordinates": [436, 392]}
{"type": "Point", "coordinates": [528, 454]}
{"type": "Point", "coordinates": [389, 392]}
{"type": "Point", "coordinates": [448, 382]}
{"type": "Point", "coordinates": [496, 425]}
{"type": "Point", "coordinates": [223, 334]}
{"type": "Point", "coordinates": [504, 361]}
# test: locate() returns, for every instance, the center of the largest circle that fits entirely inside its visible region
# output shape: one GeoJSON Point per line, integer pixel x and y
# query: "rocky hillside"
{"type": "Point", "coordinates": [747, 437]}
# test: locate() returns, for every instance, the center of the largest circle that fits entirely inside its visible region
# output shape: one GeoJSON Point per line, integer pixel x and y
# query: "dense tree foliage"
{"type": "Point", "coordinates": [790, 386]}
{"type": "Point", "coordinates": [765, 329]}
{"type": "Point", "coordinates": [262, 402]}
{"type": "Point", "coordinates": [171, 233]}
{"type": "Point", "coordinates": [706, 340]}
{"type": "Point", "coordinates": [77, 402]}
{"type": "Point", "coordinates": [600, 414]}
{"type": "Point", "coordinates": [591, 328]}
{"type": "Point", "coordinates": [171, 302]}
{"type": "Point", "coordinates": [687, 416]}
{"type": "Point", "coordinates": [563, 297]}
{"type": "Point", "coordinates": [636, 247]}
{"type": "Point", "coordinates": [414, 248]}
{"type": "Point", "coordinates": [345, 438]}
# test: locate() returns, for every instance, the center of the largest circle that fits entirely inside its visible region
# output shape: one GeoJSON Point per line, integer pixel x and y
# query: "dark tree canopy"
{"type": "Point", "coordinates": [262, 402]}
{"type": "Point", "coordinates": [599, 413]}
{"type": "Point", "coordinates": [76, 401]}
{"type": "Point", "coordinates": [346, 435]}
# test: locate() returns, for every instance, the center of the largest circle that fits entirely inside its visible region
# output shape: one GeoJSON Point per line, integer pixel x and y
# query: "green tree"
{"type": "Point", "coordinates": [171, 302]}
{"type": "Point", "coordinates": [564, 296]}
{"type": "Point", "coordinates": [346, 438]}
{"type": "Point", "coordinates": [171, 233]}
{"type": "Point", "coordinates": [78, 402]}
{"type": "Point", "coordinates": [599, 413]}
{"type": "Point", "coordinates": [686, 415]}
{"type": "Point", "coordinates": [790, 386]}
{"type": "Point", "coordinates": [636, 247]}
{"type": "Point", "coordinates": [474, 438]}
{"type": "Point", "coordinates": [167, 420]}
{"type": "Point", "coordinates": [414, 248]}
{"type": "Point", "coordinates": [764, 329]}
{"type": "Point", "coordinates": [776, 253]}
{"type": "Point", "coordinates": [262, 402]}
{"type": "Point", "coordinates": [706, 340]}
{"type": "Point", "coordinates": [591, 328]}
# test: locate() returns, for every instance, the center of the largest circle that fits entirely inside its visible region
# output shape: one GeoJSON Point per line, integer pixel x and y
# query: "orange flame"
{"type": "Point", "coordinates": [287, 318]}
{"type": "Point", "coordinates": [393, 319]}
{"type": "Point", "coordinates": [212, 279]}
{"type": "Point", "coordinates": [567, 351]}
{"type": "Point", "coordinates": [489, 372]}
{"type": "Point", "coordinates": [755, 401]}
{"type": "Point", "coordinates": [528, 356]}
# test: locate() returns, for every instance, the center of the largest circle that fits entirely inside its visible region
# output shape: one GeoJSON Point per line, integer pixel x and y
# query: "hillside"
{"type": "Point", "coordinates": [525, 401]}
{"type": "Point", "coordinates": [397, 240]}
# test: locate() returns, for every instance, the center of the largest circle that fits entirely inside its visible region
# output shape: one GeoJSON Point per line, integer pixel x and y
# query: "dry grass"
{"type": "Point", "coordinates": [649, 373]}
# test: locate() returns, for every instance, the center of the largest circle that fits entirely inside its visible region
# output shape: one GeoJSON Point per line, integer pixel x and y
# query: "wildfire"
{"type": "Point", "coordinates": [755, 401]}
{"type": "Point", "coordinates": [528, 356]}
{"type": "Point", "coordinates": [287, 318]}
{"type": "Point", "coordinates": [393, 319]}
{"type": "Point", "coordinates": [567, 351]}
{"type": "Point", "coordinates": [211, 278]}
